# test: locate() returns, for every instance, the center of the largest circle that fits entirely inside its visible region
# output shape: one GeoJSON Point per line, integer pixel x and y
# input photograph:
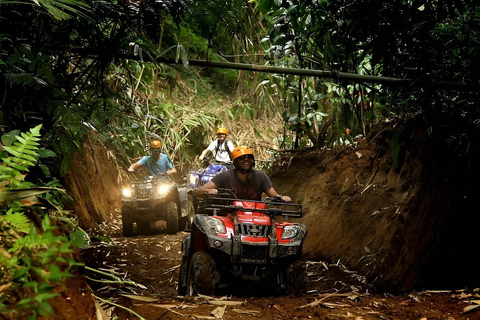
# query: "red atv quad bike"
{"type": "Point", "coordinates": [236, 245]}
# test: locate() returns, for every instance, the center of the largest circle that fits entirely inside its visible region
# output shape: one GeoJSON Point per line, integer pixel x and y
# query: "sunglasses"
{"type": "Point", "coordinates": [246, 156]}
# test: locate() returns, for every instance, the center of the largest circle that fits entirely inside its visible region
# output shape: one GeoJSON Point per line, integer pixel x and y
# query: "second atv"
{"type": "Point", "coordinates": [148, 199]}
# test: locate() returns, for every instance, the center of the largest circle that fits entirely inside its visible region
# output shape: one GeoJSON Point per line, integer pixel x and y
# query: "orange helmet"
{"type": "Point", "coordinates": [155, 144]}
{"type": "Point", "coordinates": [240, 151]}
{"type": "Point", "coordinates": [222, 130]}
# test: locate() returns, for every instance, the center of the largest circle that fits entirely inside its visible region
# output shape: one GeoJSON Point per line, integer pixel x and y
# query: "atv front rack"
{"type": "Point", "coordinates": [223, 206]}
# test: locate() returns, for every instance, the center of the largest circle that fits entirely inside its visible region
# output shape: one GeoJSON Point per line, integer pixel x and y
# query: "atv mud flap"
{"type": "Point", "coordinates": [272, 253]}
{"type": "Point", "coordinates": [236, 249]}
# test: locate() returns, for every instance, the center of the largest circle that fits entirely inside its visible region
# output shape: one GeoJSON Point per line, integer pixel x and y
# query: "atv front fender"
{"type": "Point", "coordinates": [183, 193]}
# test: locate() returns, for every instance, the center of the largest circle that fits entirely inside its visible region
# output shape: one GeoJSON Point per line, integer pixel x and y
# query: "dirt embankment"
{"type": "Point", "coordinates": [93, 184]}
{"type": "Point", "coordinates": [400, 223]}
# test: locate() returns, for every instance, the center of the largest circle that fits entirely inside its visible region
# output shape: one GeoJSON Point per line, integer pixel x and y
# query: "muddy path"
{"type": "Point", "coordinates": [145, 287]}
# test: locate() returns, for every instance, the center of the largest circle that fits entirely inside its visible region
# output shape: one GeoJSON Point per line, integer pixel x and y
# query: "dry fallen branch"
{"type": "Point", "coordinates": [140, 298]}
{"type": "Point", "coordinates": [172, 269]}
{"type": "Point", "coordinates": [226, 303]}
{"type": "Point", "coordinates": [249, 312]}
{"type": "Point", "coordinates": [470, 308]}
{"type": "Point", "coordinates": [218, 312]}
{"type": "Point", "coordinates": [317, 302]}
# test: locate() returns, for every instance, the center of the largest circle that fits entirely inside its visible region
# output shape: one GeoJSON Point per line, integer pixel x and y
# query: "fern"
{"type": "Point", "coordinates": [32, 261]}
{"type": "Point", "coordinates": [16, 220]}
{"type": "Point", "coordinates": [24, 151]}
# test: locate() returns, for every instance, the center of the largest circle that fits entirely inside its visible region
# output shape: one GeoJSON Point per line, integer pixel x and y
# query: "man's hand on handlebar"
{"type": "Point", "coordinates": [279, 198]}
{"type": "Point", "coordinates": [211, 191]}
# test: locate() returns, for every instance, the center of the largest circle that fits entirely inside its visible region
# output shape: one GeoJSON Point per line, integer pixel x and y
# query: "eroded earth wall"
{"type": "Point", "coordinates": [93, 184]}
{"type": "Point", "coordinates": [390, 206]}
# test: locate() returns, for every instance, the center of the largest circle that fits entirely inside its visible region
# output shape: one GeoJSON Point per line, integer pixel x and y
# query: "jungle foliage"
{"type": "Point", "coordinates": [92, 66]}
{"type": "Point", "coordinates": [34, 256]}
{"type": "Point", "coordinates": [433, 43]}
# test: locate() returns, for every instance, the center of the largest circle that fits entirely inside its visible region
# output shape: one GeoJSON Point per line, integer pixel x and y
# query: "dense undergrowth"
{"type": "Point", "coordinates": [37, 238]}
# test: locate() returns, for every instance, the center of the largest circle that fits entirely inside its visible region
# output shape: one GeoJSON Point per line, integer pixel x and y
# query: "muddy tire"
{"type": "Point", "coordinates": [297, 278]}
{"type": "Point", "coordinates": [172, 218]}
{"type": "Point", "coordinates": [186, 222]}
{"type": "Point", "coordinates": [127, 222]}
{"type": "Point", "coordinates": [202, 274]}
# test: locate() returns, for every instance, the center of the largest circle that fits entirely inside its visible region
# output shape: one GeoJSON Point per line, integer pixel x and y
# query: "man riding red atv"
{"type": "Point", "coordinates": [235, 237]}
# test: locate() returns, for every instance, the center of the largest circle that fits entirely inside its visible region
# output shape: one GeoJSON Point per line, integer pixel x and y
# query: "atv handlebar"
{"type": "Point", "coordinates": [143, 173]}
{"type": "Point", "coordinates": [228, 193]}
{"type": "Point", "coordinates": [273, 199]}
{"type": "Point", "coordinates": [271, 206]}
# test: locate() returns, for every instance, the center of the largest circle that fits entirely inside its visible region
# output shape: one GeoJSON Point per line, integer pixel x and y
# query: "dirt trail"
{"type": "Point", "coordinates": [149, 266]}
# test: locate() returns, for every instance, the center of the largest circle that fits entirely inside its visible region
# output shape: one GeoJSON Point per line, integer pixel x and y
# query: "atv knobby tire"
{"type": "Point", "coordinates": [172, 217]}
{"type": "Point", "coordinates": [127, 222]}
{"type": "Point", "coordinates": [297, 278]}
{"type": "Point", "coordinates": [202, 274]}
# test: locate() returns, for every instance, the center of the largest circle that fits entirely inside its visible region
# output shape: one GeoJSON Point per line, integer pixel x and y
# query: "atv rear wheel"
{"type": "Point", "coordinates": [172, 217]}
{"type": "Point", "coordinates": [297, 277]}
{"type": "Point", "coordinates": [202, 274]}
{"type": "Point", "coordinates": [127, 222]}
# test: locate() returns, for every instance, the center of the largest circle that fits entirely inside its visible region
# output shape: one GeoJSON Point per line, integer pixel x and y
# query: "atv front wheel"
{"type": "Point", "coordinates": [202, 274]}
{"type": "Point", "coordinates": [172, 218]}
{"type": "Point", "coordinates": [297, 277]}
{"type": "Point", "coordinates": [127, 222]}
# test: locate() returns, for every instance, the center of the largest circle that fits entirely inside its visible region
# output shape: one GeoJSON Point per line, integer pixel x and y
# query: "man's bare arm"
{"type": "Point", "coordinates": [207, 188]}
{"type": "Point", "coordinates": [272, 193]}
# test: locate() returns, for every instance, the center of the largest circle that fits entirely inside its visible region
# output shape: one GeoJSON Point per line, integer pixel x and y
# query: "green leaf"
{"type": "Point", "coordinates": [77, 238]}
{"type": "Point", "coordinates": [45, 153]}
{"type": "Point", "coordinates": [17, 220]}
{"type": "Point", "coordinates": [9, 138]}
{"type": "Point", "coordinates": [45, 170]}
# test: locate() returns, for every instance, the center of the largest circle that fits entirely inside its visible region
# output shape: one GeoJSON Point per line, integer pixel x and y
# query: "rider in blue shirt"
{"type": "Point", "coordinates": [156, 163]}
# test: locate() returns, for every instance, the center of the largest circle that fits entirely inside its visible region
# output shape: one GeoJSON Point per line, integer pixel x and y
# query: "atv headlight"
{"type": "Point", "coordinates": [216, 225]}
{"type": "Point", "coordinates": [127, 192]}
{"type": "Point", "coordinates": [289, 232]}
{"type": "Point", "coordinates": [163, 189]}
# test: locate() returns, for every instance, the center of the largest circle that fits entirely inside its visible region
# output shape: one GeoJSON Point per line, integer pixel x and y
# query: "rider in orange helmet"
{"type": "Point", "coordinates": [243, 180]}
{"type": "Point", "coordinates": [221, 147]}
{"type": "Point", "coordinates": [157, 162]}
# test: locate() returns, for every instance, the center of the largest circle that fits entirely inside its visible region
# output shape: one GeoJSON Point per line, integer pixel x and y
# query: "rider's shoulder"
{"type": "Point", "coordinates": [259, 172]}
